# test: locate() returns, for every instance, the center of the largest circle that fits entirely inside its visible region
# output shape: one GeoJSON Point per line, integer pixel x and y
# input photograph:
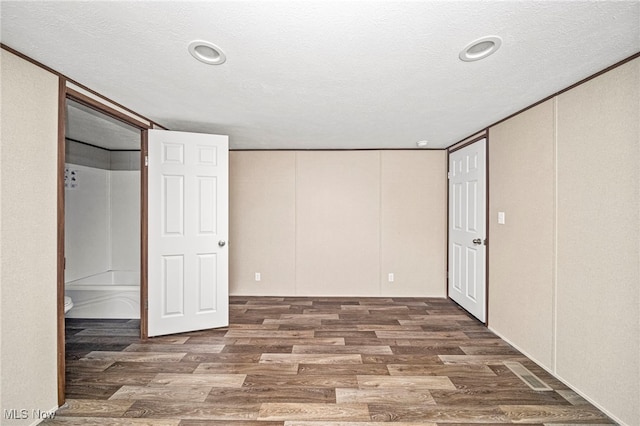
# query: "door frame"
{"type": "Point", "coordinates": [105, 106]}
{"type": "Point", "coordinates": [463, 144]}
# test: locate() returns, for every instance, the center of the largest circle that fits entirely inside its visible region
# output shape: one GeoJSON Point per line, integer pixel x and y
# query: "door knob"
{"type": "Point", "coordinates": [477, 241]}
{"type": "Point", "coordinates": [221, 243]}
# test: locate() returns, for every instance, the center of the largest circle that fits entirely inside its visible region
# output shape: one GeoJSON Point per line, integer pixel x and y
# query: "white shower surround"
{"type": "Point", "coordinates": [102, 243]}
{"type": "Point", "coordinates": [110, 294]}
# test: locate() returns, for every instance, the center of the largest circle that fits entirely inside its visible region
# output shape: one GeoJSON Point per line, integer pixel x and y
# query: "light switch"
{"type": "Point", "coordinates": [501, 218]}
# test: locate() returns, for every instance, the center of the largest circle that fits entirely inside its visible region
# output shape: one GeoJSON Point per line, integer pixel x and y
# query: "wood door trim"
{"type": "Point", "coordinates": [448, 224]}
{"type": "Point", "coordinates": [64, 94]}
{"type": "Point", "coordinates": [459, 146]}
{"type": "Point", "coordinates": [62, 87]}
{"type": "Point", "coordinates": [105, 109]}
{"type": "Point", "coordinates": [486, 231]}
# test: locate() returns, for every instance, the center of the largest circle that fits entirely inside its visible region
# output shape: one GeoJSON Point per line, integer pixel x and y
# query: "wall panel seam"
{"type": "Point", "coordinates": [380, 229]}
{"type": "Point", "coordinates": [554, 284]}
{"type": "Point", "coordinates": [295, 223]}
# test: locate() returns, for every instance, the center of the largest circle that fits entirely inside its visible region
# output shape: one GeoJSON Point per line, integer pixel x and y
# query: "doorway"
{"type": "Point", "coordinates": [204, 188]}
{"type": "Point", "coordinates": [467, 228]}
{"type": "Point", "coordinates": [85, 121]}
{"type": "Point", "coordinates": [102, 215]}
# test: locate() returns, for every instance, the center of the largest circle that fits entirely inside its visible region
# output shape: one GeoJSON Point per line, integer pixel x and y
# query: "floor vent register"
{"type": "Point", "coordinates": [527, 376]}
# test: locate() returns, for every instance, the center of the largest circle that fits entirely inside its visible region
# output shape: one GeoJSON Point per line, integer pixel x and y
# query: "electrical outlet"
{"type": "Point", "coordinates": [392, 277]}
{"type": "Point", "coordinates": [258, 276]}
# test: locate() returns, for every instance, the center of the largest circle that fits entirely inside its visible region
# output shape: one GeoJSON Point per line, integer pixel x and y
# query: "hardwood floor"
{"type": "Point", "coordinates": [310, 362]}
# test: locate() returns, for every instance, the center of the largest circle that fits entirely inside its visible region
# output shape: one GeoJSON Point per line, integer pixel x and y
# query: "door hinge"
{"type": "Point", "coordinates": [146, 304]}
{"type": "Point", "coordinates": [146, 160]}
{"type": "Point", "coordinates": [448, 175]}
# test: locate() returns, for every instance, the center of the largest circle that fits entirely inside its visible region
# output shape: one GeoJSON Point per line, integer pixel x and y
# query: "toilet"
{"type": "Point", "coordinates": [68, 304]}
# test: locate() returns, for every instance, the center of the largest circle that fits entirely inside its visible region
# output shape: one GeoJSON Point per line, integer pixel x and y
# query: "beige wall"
{"type": "Point", "coordinates": [413, 223]}
{"type": "Point", "coordinates": [598, 303]}
{"type": "Point", "coordinates": [338, 223]}
{"type": "Point", "coordinates": [565, 268]}
{"type": "Point", "coordinates": [262, 222]}
{"type": "Point", "coordinates": [331, 223]}
{"type": "Point", "coordinates": [521, 252]}
{"type": "Point", "coordinates": [28, 237]}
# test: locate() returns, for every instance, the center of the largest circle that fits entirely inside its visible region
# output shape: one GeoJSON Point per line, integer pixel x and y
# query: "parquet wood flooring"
{"type": "Point", "coordinates": [310, 362]}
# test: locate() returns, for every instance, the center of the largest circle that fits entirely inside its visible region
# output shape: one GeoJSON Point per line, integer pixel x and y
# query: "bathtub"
{"type": "Point", "coordinates": [110, 294]}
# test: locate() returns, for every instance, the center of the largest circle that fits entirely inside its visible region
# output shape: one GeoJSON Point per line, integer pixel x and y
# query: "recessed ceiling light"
{"type": "Point", "coordinates": [480, 48]}
{"type": "Point", "coordinates": [422, 144]}
{"type": "Point", "coordinates": [207, 52]}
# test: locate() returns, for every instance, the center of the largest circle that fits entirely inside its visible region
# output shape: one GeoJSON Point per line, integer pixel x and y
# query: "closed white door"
{"type": "Point", "coordinates": [467, 228]}
{"type": "Point", "coordinates": [188, 227]}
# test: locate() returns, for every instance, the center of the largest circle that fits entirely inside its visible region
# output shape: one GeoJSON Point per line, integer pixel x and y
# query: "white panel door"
{"type": "Point", "coordinates": [188, 219]}
{"type": "Point", "coordinates": [467, 228]}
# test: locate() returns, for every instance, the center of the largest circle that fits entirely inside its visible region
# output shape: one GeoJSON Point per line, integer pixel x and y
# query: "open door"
{"type": "Point", "coordinates": [467, 228]}
{"type": "Point", "coordinates": [188, 221]}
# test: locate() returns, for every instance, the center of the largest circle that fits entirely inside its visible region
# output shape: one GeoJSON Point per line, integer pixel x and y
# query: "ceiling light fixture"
{"type": "Point", "coordinates": [480, 48]}
{"type": "Point", "coordinates": [422, 144]}
{"type": "Point", "coordinates": [206, 52]}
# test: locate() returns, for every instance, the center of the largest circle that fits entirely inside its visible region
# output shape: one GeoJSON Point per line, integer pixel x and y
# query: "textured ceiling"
{"type": "Point", "coordinates": [322, 74]}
